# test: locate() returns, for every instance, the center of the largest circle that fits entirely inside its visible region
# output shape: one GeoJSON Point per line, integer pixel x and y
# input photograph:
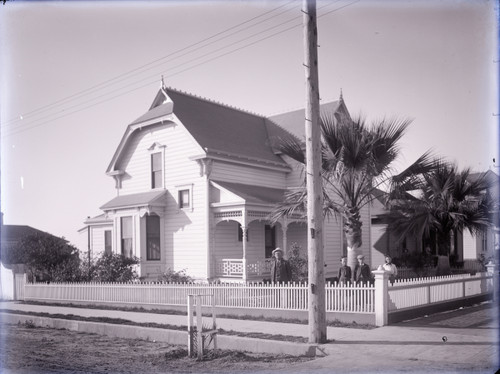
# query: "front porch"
{"type": "Point", "coordinates": [241, 236]}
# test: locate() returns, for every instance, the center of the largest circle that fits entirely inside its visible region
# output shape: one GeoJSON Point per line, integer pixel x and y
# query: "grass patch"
{"type": "Point", "coordinates": [334, 323]}
{"type": "Point", "coordinates": [121, 321]}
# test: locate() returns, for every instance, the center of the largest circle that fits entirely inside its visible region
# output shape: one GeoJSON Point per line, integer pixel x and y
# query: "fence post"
{"type": "Point", "coordinates": [381, 297]}
{"type": "Point", "coordinates": [493, 271]}
{"type": "Point", "coordinates": [190, 327]}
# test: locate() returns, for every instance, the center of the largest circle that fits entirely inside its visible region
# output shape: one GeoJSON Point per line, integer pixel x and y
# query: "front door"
{"type": "Point", "coordinates": [270, 240]}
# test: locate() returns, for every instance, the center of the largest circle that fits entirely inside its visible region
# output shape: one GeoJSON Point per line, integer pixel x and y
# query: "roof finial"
{"type": "Point", "coordinates": [341, 97]}
{"type": "Point", "coordinates": [162, 84]}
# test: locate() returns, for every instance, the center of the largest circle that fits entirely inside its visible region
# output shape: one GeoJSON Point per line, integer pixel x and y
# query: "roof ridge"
{"type": "Point", "coordinates": [215, 102]}
{"type": "Point", "coordinates": [303, 108]}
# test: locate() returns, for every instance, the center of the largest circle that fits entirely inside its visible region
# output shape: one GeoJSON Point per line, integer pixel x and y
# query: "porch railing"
{"type": "Point", "coordinates": [233, 268]}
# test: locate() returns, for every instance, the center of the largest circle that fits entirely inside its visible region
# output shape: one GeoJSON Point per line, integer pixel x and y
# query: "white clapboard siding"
{"type": "Point", "coordinates": [185, 238]}
{"type": "Point", "coordinates": [97, 238]}
{"type": "Point", "coordinates": [237, 173]}
{"type": "Point", "coordinates": [296, 175]}
{"type": "Point", "coordinates": [227, 244]}
{"type": "Point", "coordinates": [470, 245]}
{"type": "Point", "coordinates": [333, 245]}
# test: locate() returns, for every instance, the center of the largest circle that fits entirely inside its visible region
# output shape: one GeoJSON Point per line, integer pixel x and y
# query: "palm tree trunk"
{"type": "Point", "coordinates": [444, 240]}
{"type": "Point", "coordinates": [352, 231]}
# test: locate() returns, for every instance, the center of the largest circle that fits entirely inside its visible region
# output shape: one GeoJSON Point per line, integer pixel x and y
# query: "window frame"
{"type": "Point", "coordinates": [123, 250]}
{"type": "Point", "coordinates": [154, 149]}
{"type": "Point", "coordinates": [154, 171]}
{"type": "Point", "coordinates": [108, 242]}
{"type": "Point", "coordinates": [189, 189]}
{"type": "Point", "coordinates": [150, 256]}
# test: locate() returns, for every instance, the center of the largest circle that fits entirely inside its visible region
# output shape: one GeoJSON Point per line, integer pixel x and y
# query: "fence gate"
{"type": "Point", "coordinates": [201, 335]}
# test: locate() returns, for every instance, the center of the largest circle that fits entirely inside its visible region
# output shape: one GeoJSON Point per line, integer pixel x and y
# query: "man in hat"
{"type": "Point", "coordinates": [362, 272]}
{"type": "Point", "coordinates": [280, 268]}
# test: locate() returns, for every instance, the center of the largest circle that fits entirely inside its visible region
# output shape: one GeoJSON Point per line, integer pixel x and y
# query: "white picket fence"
{"type": "Point", "coordinates": [289, 296]}
{"type": "Point", "coordinates": [405, 294]}
{"type": "Point", "coordinates": [402, 295]}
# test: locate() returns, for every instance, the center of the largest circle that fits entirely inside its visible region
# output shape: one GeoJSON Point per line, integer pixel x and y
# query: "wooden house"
{"type": "Point", "coordinates": [195, 181]}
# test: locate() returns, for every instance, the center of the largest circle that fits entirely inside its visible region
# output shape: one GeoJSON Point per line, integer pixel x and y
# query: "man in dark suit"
{"type": "Point", "coordinates": [280, 268]}
{"type": "Point", "coordinates": [362, 272]}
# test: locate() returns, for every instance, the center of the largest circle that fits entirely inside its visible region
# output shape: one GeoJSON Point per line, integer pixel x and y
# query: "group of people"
{"type": "Point", "coordinates": [362, 272]}
{"type": "Point", "coordinates": [282, 272]}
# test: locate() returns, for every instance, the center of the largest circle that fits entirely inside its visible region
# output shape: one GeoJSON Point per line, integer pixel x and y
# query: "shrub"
{"type": "Point", "coordinates": [115, 268]}
{"type": "Point", "coordinates": [298, 263]}
{"type": "Point", "coordinates": [171, 276]}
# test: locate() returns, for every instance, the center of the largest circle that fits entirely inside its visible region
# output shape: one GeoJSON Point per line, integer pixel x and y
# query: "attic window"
{"type": "Point", "coordinates": [156, 170]}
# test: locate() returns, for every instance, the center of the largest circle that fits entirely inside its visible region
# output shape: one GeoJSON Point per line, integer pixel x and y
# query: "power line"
{"type": "Point", "coordinates": [109, 81]}
{"type": "Point", "coordinates": [19, 130]}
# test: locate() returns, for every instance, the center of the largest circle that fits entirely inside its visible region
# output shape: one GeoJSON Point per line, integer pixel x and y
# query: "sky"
{"type": "Point", "coordinates": [73, 75]}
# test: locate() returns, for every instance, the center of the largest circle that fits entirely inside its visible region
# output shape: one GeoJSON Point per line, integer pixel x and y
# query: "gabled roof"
{"type": "Point", "coordinates": [220, 130]}
{"type": "Point", "coordinates": [11, 233]}
{"type": "Point", "coordinates": [294, 121]}
{"type": "Point", "coordinates": [224, 130]}
{"type": "Point", "coordinates": [136, 200]}
{"type": "Point", "coordinates": [254, 194]}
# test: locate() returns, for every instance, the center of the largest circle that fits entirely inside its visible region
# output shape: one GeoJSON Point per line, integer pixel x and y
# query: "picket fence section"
{"type": "Point", "coordinates": [289, 296]}
{"type": "Point", "coordinates": [405, 294]}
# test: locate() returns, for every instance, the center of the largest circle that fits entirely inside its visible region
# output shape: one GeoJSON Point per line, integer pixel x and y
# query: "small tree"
{"type": "Point", "coordinates": [47, 257]}
{"type": "Point", "coordinates": [298, 264]}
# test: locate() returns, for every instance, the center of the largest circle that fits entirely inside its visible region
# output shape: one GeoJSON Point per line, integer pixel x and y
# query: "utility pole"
{"type": "Point", "coordinates": [317, 309]}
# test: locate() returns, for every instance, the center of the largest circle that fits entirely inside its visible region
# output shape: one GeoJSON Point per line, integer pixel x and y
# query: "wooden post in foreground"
{"type": "Point", "coordinates": [317, 306]}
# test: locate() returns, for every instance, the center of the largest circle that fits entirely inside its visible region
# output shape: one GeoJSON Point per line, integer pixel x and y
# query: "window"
{"type": "Point", "coordinates": [153, 237]}
{"type": "Point", "coordinates": [184, 199]}
{"type": "Point", "coordinates": [156, 170]}
{"type": "Point", "coordinates": [107, 242]}
{"type": "Point", "coordinates": [240, 233]}
{"type": "Point", "coordinates": [484, 241]}
{"type": "Point", "coordinates": [270, 239]}
{"type": "Point", "coordinates": [126, 236]}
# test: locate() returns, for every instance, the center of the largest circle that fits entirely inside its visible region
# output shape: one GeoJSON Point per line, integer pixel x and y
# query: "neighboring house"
{"type": "Point", "coordinates": [195, 182]}
{"type": "Point", "coordinates": [10, 235]}
{"type": "Point", "coordinates": [464, 246]}
{"type": "Point", "coordinates": [487, 244]}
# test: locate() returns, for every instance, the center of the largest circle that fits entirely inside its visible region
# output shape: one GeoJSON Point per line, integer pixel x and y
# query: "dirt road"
{"type": "Point", "coordinates": [27, 349]}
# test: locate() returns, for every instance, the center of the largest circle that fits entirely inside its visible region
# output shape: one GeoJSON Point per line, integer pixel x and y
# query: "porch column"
{"type": "Point", "coordinates": [284, 229]}
{"type": "Point", "coordinates": [244, 260]}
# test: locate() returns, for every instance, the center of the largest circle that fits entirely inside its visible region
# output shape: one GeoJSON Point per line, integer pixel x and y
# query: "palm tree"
{"type": "Point", "coordinates": [356, 160]}
{"type": "Point", "coordinates": [443, 200]}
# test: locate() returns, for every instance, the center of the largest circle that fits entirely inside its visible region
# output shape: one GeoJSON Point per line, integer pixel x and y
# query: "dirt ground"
{"type": "Point", "coordinates": [28, 349]}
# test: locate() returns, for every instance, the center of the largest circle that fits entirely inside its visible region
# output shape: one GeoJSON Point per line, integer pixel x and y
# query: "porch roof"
{"type": "Point", "coordinates": [254, 194]}
{"type": "Point", "coordinates": [135, 200]}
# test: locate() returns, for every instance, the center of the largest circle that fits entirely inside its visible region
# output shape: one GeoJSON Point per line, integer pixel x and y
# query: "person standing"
{"type": "Point", "coordinates": [390, 268]}
{"type": "Point", "coordinates": [362, 272]}
{"type": "Point", "coordinates": [344, 272]}
{"type": "Point", "coordinates": [281, 271]}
